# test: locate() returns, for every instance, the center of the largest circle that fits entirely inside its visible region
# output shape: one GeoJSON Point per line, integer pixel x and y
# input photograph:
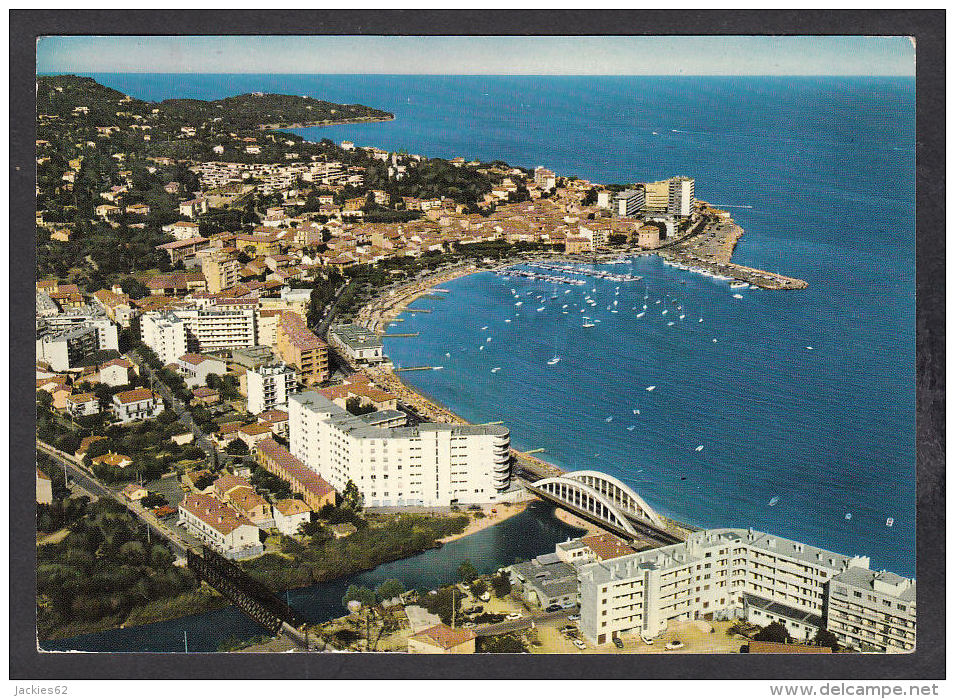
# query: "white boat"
{"type": "Point", "coordinates": [540, 309]}
{"type": "Point", "coordinates": [519, 303]}
{"type": "Point", "coordinates": [609, 419]}
{"type": "Point", "coordinates": [488, 340]}
{"type": "Point", "coordinates": [437, 368]}
{"type": "Point", "coordinates": [682, 317]}
{"type": "Point", "coordinates": [664, 312]}
{"type": "Point", "coordinates": [670, 323]}
{"type": "Point", "coordinates": [650, 388]}
{"type": "Point", "coordinates": [447, 354]}
{"type": "Point", "coordinates": [889, 522]}
{"type": "Point", "coordinates": [737, 296]}
{"type": "Point", "coordinates": [481, 347]}
{"type": "Point", "coordinates": [773, 502]}
{"type": "Point", "coordinates": [848, 515]}
{"type": "Point", "coordinates": [739, 285]}
{"type": "Point", "coordinates": [700, 320]}
{"type": "Point", "coordinates": [641, 314]}
{"type": "Point", "coordinates": [636, 412]}
{"type": "Point", "coordinates": [495, 370]}
{"type": "Point", "coordinates": [808, 348]}
{"type": "Point", "coordinates": [565, 305]}
{"type": "Point", "coordinates": [588, 325]}
{"type": "Point", "coordinates": [714, 339]}
{"type": "Point", "coordinates": [553, 361]}
{"type": "Point", "coordinates": [483, 327]}
{"type": "Point", "coordinates": [700, 448]}
{"type": "Point", "coordinates": [507, 320]}
{"type": "Point", "coordinates": [631, 428]}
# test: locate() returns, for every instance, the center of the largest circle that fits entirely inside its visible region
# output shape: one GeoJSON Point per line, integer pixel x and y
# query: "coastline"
{"type": "Point", "coordinates": [504, 511]}
{"type": "Point", "coordinates": [314, 124]}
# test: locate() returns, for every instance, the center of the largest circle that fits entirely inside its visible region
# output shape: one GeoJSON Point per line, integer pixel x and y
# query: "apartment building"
{"type": "Point", "coordinates": [220, 270]}
{"type": "Point", "coordinates": [544, 178]}
{"type": "Point", "coordinates": [277, 460]}
{"type": "Point", "coordinates": [629, 202]}
{"type": "Point", "coordinates": [656, 196]}
{"type": "Point", "coordinates": [269, 387]}
{"type": "Point", "coordinates": [681, 197]}
{"type": "Point", "coordinates": [300, 347]}
{"type": "Point", "coordinates": [64, 345]}
{"type": "Point", "coordinates": [426, 465]}
{"type": "Point", "coordinates": [872, 610]}
{"type": "Point", "coordinates": [195, 368]}
{"type": "Point", "coordinates": [734, 573]}
{"type": "Point", "coordinates": [203, 328]}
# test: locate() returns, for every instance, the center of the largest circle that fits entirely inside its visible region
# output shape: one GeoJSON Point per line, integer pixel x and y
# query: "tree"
{"type": "Point", "coordinates": [478, 587]}
{"type": "Point", "coordinates": [501, 584]}
{"type": "Point", "coordinates": [827, 639]}
{"type": "Point", "coordinates": [237, 448]}
{"type": "Point", "coordinates": [503, 643]}
{"type": "Point", "coordinates": [467, 572]}
{"type": "Point", "coordinates": [351, 497]}
{"type": "Point", "coordinates": [362, 595]}
{"type": "Point", "coordinates": [389, 589]}
{"type": "Point", "coordinates": [133, 552]}
{"type": "Point", "coordinates": [774, 633]}
{"type": "Point", "coordinates": [441, 602]}
{"type": "Point", "coordinates": [354, 406]}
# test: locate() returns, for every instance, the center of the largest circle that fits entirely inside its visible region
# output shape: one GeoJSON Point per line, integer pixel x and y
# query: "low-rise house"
{"type": "Point", "coordinates": [44, 488]}
{"type": "Point", "coordinates": [289, 515]}
{"type": "Point", "coordinates": [111, 459]}
{"type": "Point", "coordinates": [134, 492]}
{"type": "Point", "coordinates": [205, 396]}
{"type": "Point", "coordinates": [81, 404]}
{"type": "Point", "coordinates": [442, 640]}
{"type": "Point", "coordinates": [138, 404]}
{"type": "Point", "coordinates": [219, 526]}
{"type": "Point", "coordinates": [545, 581]}
{"type": "Point", "coordinates": [115, 372]}
{"type": "Point", "coordinates": [182, 439]}
{"type": "Point", "coordinates": [194, 368]}
{"type": "Point", "coordinates": [254, 433]}
{"type": "Point", "coordinates": [277, 420]}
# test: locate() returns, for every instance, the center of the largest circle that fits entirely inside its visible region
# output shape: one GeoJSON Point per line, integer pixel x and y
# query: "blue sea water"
{"type": "Point", "coordinates": [820, 172]}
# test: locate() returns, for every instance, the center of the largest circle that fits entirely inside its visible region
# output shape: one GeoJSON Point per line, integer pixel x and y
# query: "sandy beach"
{"type": "Point", "coordinates": [490, 518]}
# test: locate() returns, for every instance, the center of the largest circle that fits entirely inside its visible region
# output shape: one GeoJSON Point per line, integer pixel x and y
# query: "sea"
{"type": "Point", "coordinates": [792, 412]}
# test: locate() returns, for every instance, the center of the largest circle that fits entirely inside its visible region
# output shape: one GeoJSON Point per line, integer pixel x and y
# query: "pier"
{"type": "Point", "coordinates": [416, 368]}
{"type": "Point", "coordinates": [401, 334]}
{"type": "Point", "coordinates": [418, 310]}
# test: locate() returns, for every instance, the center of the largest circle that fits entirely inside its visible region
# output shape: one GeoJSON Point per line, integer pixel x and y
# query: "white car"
{"type": "Point", "coordinates": [513, 615]}
{"type": "Point", "coordinates": [673, 645]}
{"type": "Point", "coordinates": [574, 617]}
{"type": "Point", "coordinates": [648, 641]}
{"type": "Point", "coordinates": [580, 644]}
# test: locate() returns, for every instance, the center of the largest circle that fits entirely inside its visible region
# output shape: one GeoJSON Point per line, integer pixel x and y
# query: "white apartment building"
{"type": "Point", "coordinates": [628, 202]}
{"type": "Point", "coordinates": [63, 345]}
{"type": "Point", "coordinates": [872, 610]}
{"type": "Point", "coordinates": [211, 328]}
{"type": "Point", "coordinates": [195, 368]}
{"type": "Point", "coordinates": [164, 334]}
{"type": "Point", "coordinates": [427, 465]}
{"type": "Point", "coordinates": [735, 573]}
{"type": "Point", "coordinates": [269, 386]}
{"type": "Point", "coordinates": [358, 343]}
{"type": "Point", "coordinates": [682, 202]}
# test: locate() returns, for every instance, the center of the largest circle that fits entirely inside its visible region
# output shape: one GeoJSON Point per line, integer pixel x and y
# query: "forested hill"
{"type": "Point", "coordinates": [61, 95]}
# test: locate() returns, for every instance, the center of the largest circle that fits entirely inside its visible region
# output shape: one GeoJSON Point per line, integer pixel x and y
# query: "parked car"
{"type": "Point", "coordinates": [617, 642]}
{"type": "Point", "coordinates": [673, 645]}
{"type": "Point", "coordinates": [513, 615]}
{"type": "Point", "coordinates": [580, 644]}
{"type": "Point", "coordinates": [648, 641]}
{"type": "Point", "coordinates": [553, 608]}
{"type": "Point", "coordinates": [574, 617]}
{"type": "Point", "coordinates": [568, 605]}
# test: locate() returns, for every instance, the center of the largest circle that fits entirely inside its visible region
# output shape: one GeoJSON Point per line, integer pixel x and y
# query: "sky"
{"type": "Point", "coordinates": [493, 55]}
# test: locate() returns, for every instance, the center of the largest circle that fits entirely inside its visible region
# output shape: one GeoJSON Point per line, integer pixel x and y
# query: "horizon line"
{"type": "Point", "coordinates": [88, 73]}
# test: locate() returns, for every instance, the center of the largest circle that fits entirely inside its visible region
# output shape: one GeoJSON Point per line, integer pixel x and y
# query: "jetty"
{"type": "Point", "coordinates": [415, 368]}
{"type": "Point", "coordinates": [401, 334]}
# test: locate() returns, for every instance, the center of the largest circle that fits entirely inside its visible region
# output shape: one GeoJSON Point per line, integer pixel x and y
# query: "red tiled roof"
{"type": "Point", "coordinates": [137, 394]}
{"type": "Point", "coordinates": [217, 515]}
{"type": "Point", "coordinates": [309, 480]}
{"type": "Point", "coordinates": [298, 333]}
{"type": "Point", "coordinates": [444, 636]}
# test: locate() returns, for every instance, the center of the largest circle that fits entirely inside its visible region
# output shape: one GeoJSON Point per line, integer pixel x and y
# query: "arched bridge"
{"type": "Point", "coordinates": [605, 500]}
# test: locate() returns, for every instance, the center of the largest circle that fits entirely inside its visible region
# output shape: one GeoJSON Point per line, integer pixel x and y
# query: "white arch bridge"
{"type": "Point", "coordinates": [605, 500]}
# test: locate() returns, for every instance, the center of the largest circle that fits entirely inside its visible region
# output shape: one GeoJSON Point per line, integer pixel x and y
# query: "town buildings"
{"type": "Point", "coordinates": [742, 573]}
{"type": "Point", "coordinates": [199, 328]}
{"type": "Point", "coordinates": [442, 640]}
{"type": "Point", "coordinates": [427, 465]}
{"type": "Point", "coordinates": [277, 460]}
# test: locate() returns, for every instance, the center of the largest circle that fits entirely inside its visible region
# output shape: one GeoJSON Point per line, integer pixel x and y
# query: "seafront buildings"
{"type": "Point", "coordinates": [743, 573]}
{"type": "Point", "coordinates": [427, 465]}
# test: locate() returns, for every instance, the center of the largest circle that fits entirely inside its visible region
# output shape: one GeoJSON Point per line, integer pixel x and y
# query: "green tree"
{"type": "Point", "coordinates": [501, 584]}
{"type": "Point", "coordinates": [826, 638]}
{"type": "Point", "coordinates": [352, 497]}
{"type": "Point", "coordinates": [467, 572]}
{"type": "Point", "coordinates": [502, 643]}
{"type": "Point", "coordinates": [389, 589]}
{"type": "Point", "coordinates": [774, 633]}
{"type": "Point", "coordinates": [237, 448]}
{"type": "Point", "coordinates": [362, 594]}
{"type": "Point", "coordinates": [133, 552]}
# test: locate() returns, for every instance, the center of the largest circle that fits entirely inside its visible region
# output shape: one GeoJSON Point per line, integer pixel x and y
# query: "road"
{"type": "Point", "coordinates": [525, 622]}
{"type": "Point", "coordinates": [180, 541]}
